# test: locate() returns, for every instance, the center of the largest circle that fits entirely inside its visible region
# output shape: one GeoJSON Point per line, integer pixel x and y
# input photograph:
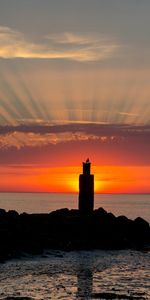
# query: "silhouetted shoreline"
{"type": "Point", "coordinates": [68, 230]}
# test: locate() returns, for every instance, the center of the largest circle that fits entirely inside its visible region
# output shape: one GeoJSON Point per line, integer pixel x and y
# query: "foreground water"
{"type": "Point", "coordinates": [131, 206]}
{"type": "Point", "coordinates": [78, 275]}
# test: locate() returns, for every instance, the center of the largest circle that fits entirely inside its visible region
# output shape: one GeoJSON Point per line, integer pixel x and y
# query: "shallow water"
{"type": "Point", "coordinates": [77, 275]}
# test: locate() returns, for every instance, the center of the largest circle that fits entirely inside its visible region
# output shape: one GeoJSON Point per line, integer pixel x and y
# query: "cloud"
{"type": "Point", "coordinates": [30, 139]}
{"type": "Point", "coordinates": [14, 44]}
{"type": "Point", "coordinates": [34, 135]}
{"type": "Point", "coordinates": [105, 144]}
{"type": "Point", "coordinates": [121, 130]}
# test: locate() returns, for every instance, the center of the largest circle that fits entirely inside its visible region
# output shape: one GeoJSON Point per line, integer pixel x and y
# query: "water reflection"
{"type": "Point", "coordinates": [77, 275]}
{"type": "Point", "coordinates": [85, 271]}
{"type": "Point", "coordinates": [85, 284]}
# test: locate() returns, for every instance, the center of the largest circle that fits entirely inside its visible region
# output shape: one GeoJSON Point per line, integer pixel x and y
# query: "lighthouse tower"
{"type": "Point", "coordinates": [86, 189]}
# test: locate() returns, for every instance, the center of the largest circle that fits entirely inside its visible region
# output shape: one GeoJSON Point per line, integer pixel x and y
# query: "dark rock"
{"type": "Point", "coordinates": [2, 212]}
{"type": "Point", "coordinates": [116, 296]}
{"type": "Point", "coordinates": [101, 212]}
{"type": "Point", "coordinates": [12, 214]}
{"type": "Point", "coordinates": [69, 230]}
{"type": "Point", "coordinates": [141, 224]}
{"type": "Point", "coordinates": [60, 212]}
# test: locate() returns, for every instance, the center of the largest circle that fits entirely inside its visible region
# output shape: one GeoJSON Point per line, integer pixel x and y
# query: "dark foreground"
{"type": "Point", "coordinates": [69, 230]}
{"type": "Point", "coordinates": [99, 296]}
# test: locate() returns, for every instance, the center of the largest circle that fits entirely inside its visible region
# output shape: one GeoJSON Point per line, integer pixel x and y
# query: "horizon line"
{"type": "Point", "coordinates": [76, 193]}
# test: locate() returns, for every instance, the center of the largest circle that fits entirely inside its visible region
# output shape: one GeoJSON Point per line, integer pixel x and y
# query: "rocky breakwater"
{"type": "Point", "coordinates": [69, 230]}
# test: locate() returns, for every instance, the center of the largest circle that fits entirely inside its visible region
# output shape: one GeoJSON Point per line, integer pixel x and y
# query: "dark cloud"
{"type": "Point", "coordinates": [119, 130]}
{"type": "Point", "coordinates": [113, 145]}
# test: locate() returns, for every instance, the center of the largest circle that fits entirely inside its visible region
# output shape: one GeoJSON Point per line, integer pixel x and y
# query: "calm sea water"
{"type": "Point", "coordinates": [130, 205]}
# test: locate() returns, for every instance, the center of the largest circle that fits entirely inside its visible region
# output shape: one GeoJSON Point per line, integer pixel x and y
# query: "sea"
{"type": "Point", "coordinates": [130, 205]}
{"type": "Point", "coordinates": [82, 275]}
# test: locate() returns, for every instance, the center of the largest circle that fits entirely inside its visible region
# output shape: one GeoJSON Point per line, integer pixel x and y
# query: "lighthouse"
{"type": "Point", "coordinates": [86, 189]}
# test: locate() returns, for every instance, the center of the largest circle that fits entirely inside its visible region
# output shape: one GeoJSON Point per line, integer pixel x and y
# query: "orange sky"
{"type": "Point", "coordinates": [74, 83]}
{"type": "Point", "coordinates": [108, 179]}
{"type": "Point", "coordinates": [49, 158]}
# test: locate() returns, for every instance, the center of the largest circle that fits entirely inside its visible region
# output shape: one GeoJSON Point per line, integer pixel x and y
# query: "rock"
{"type": "Point", "coordinates": [2, 212]}
{"type": "Point", "coordinates": [116, 296]}
{"type": "Point", "coordinates": [67, 230]}
{"type": "Point", "coordinates": [12, 214]}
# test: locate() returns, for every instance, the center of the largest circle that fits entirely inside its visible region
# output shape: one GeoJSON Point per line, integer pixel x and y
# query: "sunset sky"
{"type": "Point", "coordinates": [74, 83]}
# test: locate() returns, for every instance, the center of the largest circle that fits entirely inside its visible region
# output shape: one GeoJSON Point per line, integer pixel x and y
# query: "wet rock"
{"type": "Point", "coordinates": [116, 296]}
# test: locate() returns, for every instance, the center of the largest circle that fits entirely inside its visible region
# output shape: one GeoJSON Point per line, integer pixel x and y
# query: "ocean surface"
{"type": "Point", "coordinates": [81, 275]}
{"type": "Point", "coordinates": [132, 206]}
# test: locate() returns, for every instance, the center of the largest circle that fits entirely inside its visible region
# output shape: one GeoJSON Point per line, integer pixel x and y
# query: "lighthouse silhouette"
{"type": "Point", "coordinates": [86, 189]}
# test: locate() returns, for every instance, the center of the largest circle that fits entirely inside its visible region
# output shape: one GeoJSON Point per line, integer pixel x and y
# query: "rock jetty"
{"type": "Point", "coordinates": [69, 230]}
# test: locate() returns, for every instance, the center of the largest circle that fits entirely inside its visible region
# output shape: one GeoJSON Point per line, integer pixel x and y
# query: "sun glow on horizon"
{"type": "Point", "coordinates": [98, 185]}
{"type": "Point", "coordinates": [108, 179]}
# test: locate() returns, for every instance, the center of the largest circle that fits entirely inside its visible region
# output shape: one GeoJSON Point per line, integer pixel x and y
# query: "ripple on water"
{"type": "Point", "coordinates": [78, 275]}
